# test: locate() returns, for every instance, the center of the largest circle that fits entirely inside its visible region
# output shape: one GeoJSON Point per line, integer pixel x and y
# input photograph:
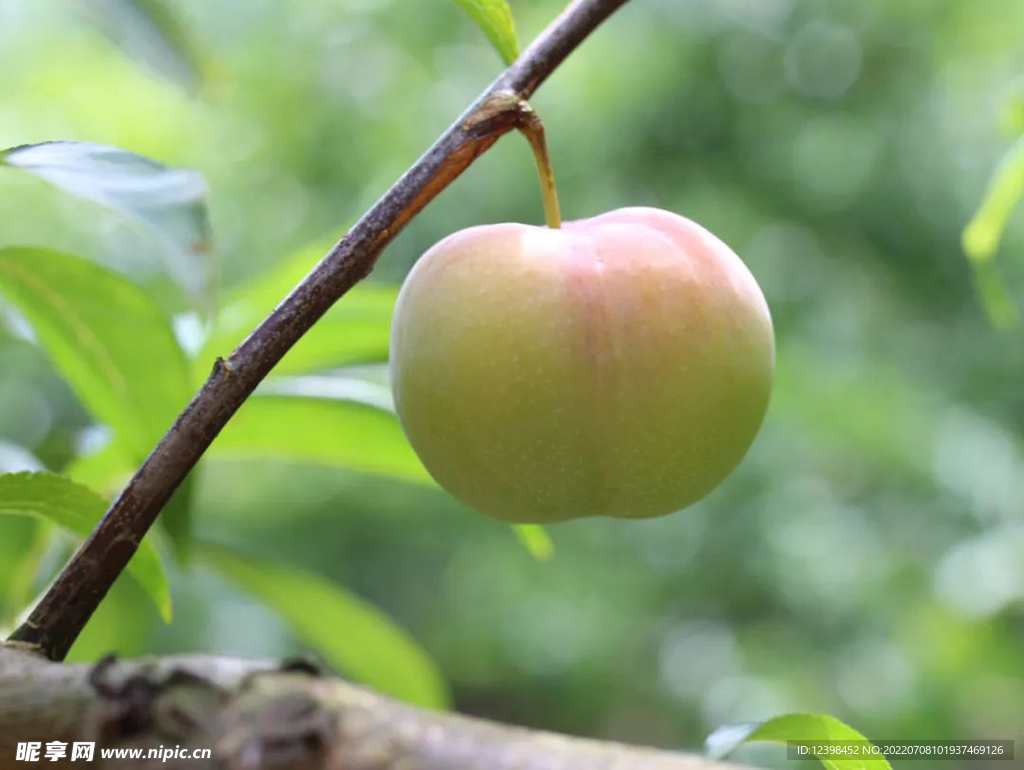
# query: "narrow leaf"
{"type": "Point", "coordinates": [495, 18]}
{"type": "Point", "coordinates": [329, 432]}
{"type": "Point", "coordinates": [334, 387]}
{"type": "Point", "coordinates": [151, 32]}
{"type": "Point", "coordinates": [106, 470]}
{"type": "Point", "coordinates": [177, 521]}
{"type": "Point", "coordinates": [995, 299]}
{"type": "Point", "coordinates": [348, 632]}
{"type": "Point", "coordinates": [341, 421]}
{"type": "Point", "coordinates": [1013, 114]}
{"type": "Point", "coordinates": [21, 586]}
{"type": "Point", "coordinates": [106, 337]}
{"type": "Point", "coordinates": [77, 509]}
{"type": "Point", "coordinates": [166, 203]}
{"type": "Point", "coordinates": [793, 727]}
{"type": "Point", "coordinates": [535, 540]}
{"type": "Point", "coordinates": [982, 235]}
{"type": "Point", "coordinates": [356, 329]}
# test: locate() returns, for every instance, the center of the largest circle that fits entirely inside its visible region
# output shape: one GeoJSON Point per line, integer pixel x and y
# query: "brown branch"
{"type": "Point", "coordinates": [255, 716]}
{"type": "Point", "coordinates": [69, 603]}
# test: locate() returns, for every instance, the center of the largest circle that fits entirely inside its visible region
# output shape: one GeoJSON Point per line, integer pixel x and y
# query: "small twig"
{"type": "Point", "coordinates": [504, 106]}
{"type": "Point", "coordinates": [64, 610]}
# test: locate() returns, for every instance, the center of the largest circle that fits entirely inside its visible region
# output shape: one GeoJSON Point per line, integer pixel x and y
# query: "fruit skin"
{"type": "Point", "coordinates": [619, 366]}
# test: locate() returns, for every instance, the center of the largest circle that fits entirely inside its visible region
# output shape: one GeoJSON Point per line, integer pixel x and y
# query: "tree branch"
{"type": "Point", "coordinates": [64, 610]}
{"type": "Point", "coordinates": [255, 716]}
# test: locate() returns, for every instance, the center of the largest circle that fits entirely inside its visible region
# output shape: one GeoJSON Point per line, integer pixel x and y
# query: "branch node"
{"type": "Point", "coordinates": [498, 113]}
{"type": "Point", "coordinates": [306, 663]}
{"type": "Point", "coordinates": [222, 364]}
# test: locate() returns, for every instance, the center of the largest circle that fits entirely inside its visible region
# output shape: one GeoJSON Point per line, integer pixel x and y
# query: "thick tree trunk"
{"type": "Point", "coordinates": [256, 716]}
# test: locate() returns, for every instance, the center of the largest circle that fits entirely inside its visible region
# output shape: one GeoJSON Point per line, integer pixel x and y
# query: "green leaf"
{"type": "Point", "coordinates": [106, 470]}
{"type": "Point", "coordinates": [76, 508]}
{"type": "Point", "coordinates": [995, 299]}
{"type": "Point", "coordinates": [1013, 114]}
{"type": "Point", "coordinates": [21, 586]}
{"type": "Point", "coordinates": [348, 632]}
{"type": "Point", "coordinates": [283, 418]}
{"type": "Point", "coordinates": [333, 387]}
{"type": "Point", "coordinates": [106, 337]}
{"type": "Point", "coordinates": [793, 727]}
{"type": "Point", "coordinates": [982, 235]}
{"type": "Point", "coordinates": [495, 18]}
{"type": "Point", "coordinates": [322, 431]}
{"type": "Point", "coordinates": [535, 540]}
{"type": "Point", "coordinates": [356, 329]}
{"type": "Point", "coordinates": [167, 204]}
{"type": "Point", "coordinates": [150, 31]}
{"type": "Point", "coordinates": [176, 519]}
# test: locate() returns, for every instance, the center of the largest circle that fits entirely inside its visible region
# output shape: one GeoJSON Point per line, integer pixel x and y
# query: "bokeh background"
{"type": "Point", "coordinates": [866, 560]}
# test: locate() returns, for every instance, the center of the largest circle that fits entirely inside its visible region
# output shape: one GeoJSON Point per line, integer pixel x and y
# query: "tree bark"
{"type": "Point", "coordinates": [253, 715]}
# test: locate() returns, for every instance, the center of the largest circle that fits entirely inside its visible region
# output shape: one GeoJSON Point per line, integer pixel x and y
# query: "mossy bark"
{"type": "Point", "coordinates": [257, 716]}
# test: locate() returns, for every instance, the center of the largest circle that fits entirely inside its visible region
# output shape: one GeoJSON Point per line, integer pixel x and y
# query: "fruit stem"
{"type": "Point", "coordinates": [532, 128]}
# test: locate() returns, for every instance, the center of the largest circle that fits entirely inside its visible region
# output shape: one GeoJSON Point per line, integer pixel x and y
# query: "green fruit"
{"type": "Point", "coordinates": [618, 366]}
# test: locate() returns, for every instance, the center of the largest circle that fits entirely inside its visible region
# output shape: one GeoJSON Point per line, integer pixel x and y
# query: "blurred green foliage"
{"type": "Point", "coordinates": [865, 560]}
